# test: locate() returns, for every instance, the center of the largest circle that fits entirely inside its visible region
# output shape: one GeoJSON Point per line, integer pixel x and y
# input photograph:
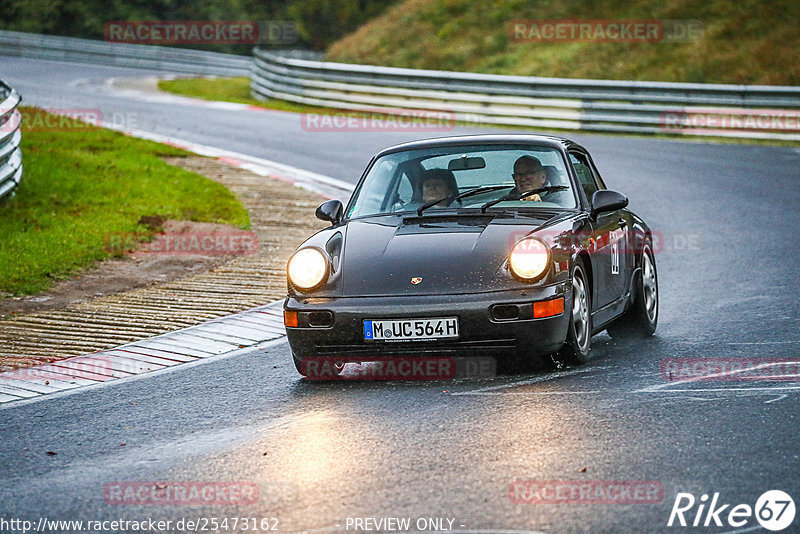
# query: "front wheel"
{"type": "Point", "coordinates": [642, 318]}
{"type": "Point", "coordinates": [521, 363]}
{"type": "Point", "coordinates": [579, 331]}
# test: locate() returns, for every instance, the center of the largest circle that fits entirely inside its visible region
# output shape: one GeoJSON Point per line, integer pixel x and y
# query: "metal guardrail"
{"type": "Point", "coordinates": [176, 60]}
{"type": "Point", "coordinates": [746, 111]}
{"type": "Point", "coordinates": [10, 138]}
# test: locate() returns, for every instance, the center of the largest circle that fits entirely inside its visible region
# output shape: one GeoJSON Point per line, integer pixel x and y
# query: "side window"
{"type": "Point", "coordinates": [585, 175]}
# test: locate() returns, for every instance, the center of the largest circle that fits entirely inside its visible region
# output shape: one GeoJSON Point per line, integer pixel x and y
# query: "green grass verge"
{"type": "Point", "coordinates": [232, 90]}
{"type": "Point", "coordinates": [237, 90]}
{"type": "Point", "coordinates": [81, 185]}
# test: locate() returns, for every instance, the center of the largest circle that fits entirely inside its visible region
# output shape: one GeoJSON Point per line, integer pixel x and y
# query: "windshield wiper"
{"type": "Point", "coordinates": [518, 196]}
{"type": "Point", "coordinates": [465, 194]}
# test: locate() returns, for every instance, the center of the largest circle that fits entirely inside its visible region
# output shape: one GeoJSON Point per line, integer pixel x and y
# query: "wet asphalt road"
{"type": "Point", "coordinates": [321, 453]}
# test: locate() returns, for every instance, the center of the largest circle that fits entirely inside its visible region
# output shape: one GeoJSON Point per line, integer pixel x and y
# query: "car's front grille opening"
{"type": "Point", "coordinates": [505, 312]}
{"type": "Point", "coordinates": [320, 319]}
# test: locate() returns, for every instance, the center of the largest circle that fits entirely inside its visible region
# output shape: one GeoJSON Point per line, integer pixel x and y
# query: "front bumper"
{"type": "Point", "coordinates": [481, 333]}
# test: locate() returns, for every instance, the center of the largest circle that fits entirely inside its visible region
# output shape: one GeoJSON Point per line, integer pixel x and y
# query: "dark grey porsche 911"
{"type": "Point", "coordinates": [507, 246]}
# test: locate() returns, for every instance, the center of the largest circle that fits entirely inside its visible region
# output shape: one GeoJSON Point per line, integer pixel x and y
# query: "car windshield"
{"type": "Point", "coordinates": [431, 179]}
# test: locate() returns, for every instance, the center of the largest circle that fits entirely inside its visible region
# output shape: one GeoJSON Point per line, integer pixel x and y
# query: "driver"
{"type": "Point", "coordinates": [529, 173]}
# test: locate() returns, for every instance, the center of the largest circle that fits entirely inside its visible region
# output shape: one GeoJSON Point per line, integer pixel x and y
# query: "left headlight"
{"type": "Point", "coordinates": [529, 258]}
{"type": "Point", "coordinates": [307, 268]}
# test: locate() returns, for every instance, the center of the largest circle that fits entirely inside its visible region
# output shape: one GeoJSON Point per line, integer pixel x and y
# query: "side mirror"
{"type": "Point", "coordinates": [330, 211]}
{"type": "Point", "coordinates": [607, 200]}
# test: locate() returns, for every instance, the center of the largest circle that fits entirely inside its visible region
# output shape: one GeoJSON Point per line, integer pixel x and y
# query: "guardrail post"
{"type": "Point", "coordinates": [10, 139]}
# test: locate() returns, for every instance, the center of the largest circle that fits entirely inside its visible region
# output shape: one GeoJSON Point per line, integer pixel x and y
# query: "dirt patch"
{"type": "Point", "coordinates": [137, 269]}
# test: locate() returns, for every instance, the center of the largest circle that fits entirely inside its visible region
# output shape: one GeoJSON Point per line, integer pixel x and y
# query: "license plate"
{"type": "Point", "coordinates": [410, 329]}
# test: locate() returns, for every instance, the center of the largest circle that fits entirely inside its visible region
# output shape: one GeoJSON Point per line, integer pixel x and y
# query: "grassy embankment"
{"type": "Point", "coordinates": [82, 184]}
{"type": "Point", "coordinates": [747, 42]}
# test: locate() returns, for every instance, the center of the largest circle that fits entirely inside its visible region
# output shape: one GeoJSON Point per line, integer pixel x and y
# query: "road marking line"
{"type": "Point", "coordinates": [529, 392]}
{"type": "Point", "coordinates": [781, 397]}
{"type": "Point", "coordinates": [761, 342]}
{"type": "Point", "coordinates": [748, 529]}
{"type": "Point", "coordinates": [534, 380]}
{"type": "Point", "coordinates": [655, 387]}
{"type": "Point", "coordinates": [775, 388]}
{"type": "Point", "coordinates": [712, 341]}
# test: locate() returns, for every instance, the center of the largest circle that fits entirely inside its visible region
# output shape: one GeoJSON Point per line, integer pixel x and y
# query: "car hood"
{"type": "Point", "coordinates": [443, 255]}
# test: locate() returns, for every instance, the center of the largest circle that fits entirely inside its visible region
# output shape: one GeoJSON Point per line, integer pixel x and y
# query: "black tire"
{"type": "Point", "coordinates": [516, 364]}
{"type": "Point", "coordinates": [641, 319]}
{"type": "Point", "coordinates": [578, 344]}
{"type": "Point", "coordinates": [298, 366]}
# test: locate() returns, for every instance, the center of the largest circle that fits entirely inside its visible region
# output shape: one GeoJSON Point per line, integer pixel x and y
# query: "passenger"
{"type": "Point", "coordinates": [438, 184]}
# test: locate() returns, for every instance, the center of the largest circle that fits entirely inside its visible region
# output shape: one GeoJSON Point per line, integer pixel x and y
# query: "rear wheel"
{"type": "Point", "coordinates": [641, 318]}
{"type": "Point", "coordinates": [579, 331]}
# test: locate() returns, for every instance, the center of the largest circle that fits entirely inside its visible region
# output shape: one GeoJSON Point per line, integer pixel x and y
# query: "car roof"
{"type": "Point", "coordinates": [485, 139]}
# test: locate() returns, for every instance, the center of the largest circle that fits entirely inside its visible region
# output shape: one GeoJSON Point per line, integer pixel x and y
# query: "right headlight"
{"type": "Point", "coordinates": [307, 268]}
{"type": "Point", "coordinates": [529, 258]}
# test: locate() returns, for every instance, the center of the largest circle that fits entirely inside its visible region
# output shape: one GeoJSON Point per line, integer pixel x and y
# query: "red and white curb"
{"type": "Point", "coordinates": [215, 338]}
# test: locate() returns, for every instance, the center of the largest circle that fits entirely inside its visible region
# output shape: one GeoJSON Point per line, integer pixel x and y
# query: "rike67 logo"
{"type": "Point", "coordinates": [774, 510]}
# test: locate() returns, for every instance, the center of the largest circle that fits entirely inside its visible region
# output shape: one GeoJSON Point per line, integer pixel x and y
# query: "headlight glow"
{"type": "Point", "coordinates": [529, 258]}
{"type": "Point", "coordinates": [307, 268]}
